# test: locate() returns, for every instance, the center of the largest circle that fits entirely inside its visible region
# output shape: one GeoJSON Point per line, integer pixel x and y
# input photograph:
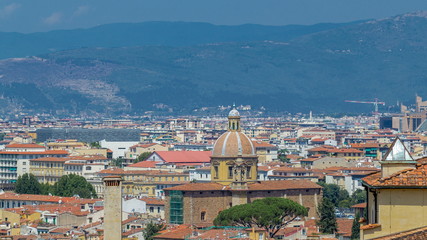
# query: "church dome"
{"type": "Point", "coordinates": [233, 144]}
{"type": "Point", "coordinates": [234, 113]}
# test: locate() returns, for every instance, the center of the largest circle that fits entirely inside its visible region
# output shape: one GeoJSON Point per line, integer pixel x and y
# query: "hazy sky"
{"type": "Point", "coordinates": [45, 15]}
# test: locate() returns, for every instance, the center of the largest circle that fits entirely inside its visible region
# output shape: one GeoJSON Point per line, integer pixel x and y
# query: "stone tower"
{"type": "Point", "coordinates": [112, 207]}
{"type": "Point", "coordinates": [233, 160]}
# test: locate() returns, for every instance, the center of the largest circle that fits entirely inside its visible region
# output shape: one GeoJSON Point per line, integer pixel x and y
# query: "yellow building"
{"type": "Point", "coordinates": [11, 217]}
{"type": "Point", "coordinates": [65, 145]}
{"type": "Point", "coordinates": [397, 196]}
{"type": "Point", "coordinates": [226, 168]}
{"type": "Point", "coordinates": [48, 169]}
{"type": "Point", "coordinates": [266, 152]}
{"type": "Point", "coordinates": [350, 154]}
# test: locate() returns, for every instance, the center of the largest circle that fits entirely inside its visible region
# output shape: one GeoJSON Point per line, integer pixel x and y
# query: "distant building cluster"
{"type": "Point", "coordinates": [182, 172]}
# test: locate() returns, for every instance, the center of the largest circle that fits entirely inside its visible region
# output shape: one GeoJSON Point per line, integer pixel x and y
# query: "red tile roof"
{"type": "Point", "coordinates": [185, 156]}
{"type": "Point", "coordinates": [418, 233]}
{"type": "Point", "coordinates": [344, 226]}
{"type": "Point", "coordinates": [258, 186]}
{"type": "Point", "coordinates": [153, 201]}
{"type": "Point", "coordinates": [261, 144]}
{"type": "Point", "coordinates": [416, 177]}
{"type": "Point", "coordinates": [179, 232]}
{"type": "Point", "coordinates": [24, 146]}
{"type": "Point", "coordinates": [144, 164]}
{"type": "Point", "coordinates": [48, 152]}
{"type": "Point", "coordinates": [365, 145]}
{"type": "Point", "coordinates": [359, 205]}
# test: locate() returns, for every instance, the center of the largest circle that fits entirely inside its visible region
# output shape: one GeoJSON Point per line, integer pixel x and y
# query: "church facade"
{"type": "Point", "coordinates": [234, 181]}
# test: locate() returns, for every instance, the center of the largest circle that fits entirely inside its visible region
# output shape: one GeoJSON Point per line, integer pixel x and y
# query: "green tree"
{"type": "Point", "coordinates": [151, 230]}
{"type": "Point", "coordinates": [46, 188]}
{"type": "Point", "coordinates": [334, 193]}
{"type": "Point", "coordinates": [95, 145]}
{"type": "Point", "coordinates": [269, 213]}
{"type": "Point", "coordinates": [327, 222]}
{"type": "Point", "coordinates": [118, 162]}
{"type": "Point", "coordinates": [359, 196]}
{"type": "Point", "coordinates": [143, 156]}
{"type": "Point", "coordinates": [355, 229]}
{"type": "Point", "coordinates": [70, 185]}
{"type": "Point", "coordinates": [27, 184]}
{"type": "Point", "coordinates": [282, 155]}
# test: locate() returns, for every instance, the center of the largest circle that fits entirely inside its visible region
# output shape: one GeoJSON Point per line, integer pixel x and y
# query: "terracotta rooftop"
{"type": "Point", "coordinates": [365, 145]}
{"type": "Point", "coordinates": [417, 233]}
{"type": "Point", "coordinates": [153, 201]}
{"type": "Point", "coordinates": [144, 164]}
{"type": "Point", "coordinates": [359, 205]}
{"type": "Point", "coordinates": [344, 226]}
{"type": "Point", "coordinates": [261, 144]}
{"type": "Point", "coordinates": [185, 156]}
{"type": "Point", "coordinates": [24, 146]}
{"type": "Point", "coordinates": [406, 178]}
{"type": "Point", "coordinates": [258, 186]}
{"type": "Point", "coordinates": [198, 187]}
{"type": "Point", "coordinates": [48, 152]}
{"type": "Point", "coordinates": [179, 232]}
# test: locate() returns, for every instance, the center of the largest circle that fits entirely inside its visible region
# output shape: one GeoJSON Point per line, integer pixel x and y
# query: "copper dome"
{"type": "Point", "coordinates": [233, 144]}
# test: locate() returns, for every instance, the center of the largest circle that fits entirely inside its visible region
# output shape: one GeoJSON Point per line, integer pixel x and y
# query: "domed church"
{"type": "Point", "coordinates": [233, 160]}
{"type": "Point", "coordinates": [233, 181]}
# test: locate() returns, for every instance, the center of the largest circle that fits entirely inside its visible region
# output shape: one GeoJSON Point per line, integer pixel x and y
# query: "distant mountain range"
{"type": "Point", "coordinates": [184, 66]}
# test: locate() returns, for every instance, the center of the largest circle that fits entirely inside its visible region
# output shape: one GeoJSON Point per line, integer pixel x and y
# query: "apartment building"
{"type": "Point", "coordinates": [14, 160]}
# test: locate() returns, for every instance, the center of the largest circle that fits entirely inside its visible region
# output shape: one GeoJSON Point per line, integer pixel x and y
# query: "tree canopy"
{"type": "Point", "coordinates": [269, 213]}
{"type": "Point", "coordinates": [152, 229]}
{"type": "Point", "coordinates": [340, 197]}
{"type": "Point", "coordinates": [70, 185]}
{"type": "Point", "coordinates": [327, 221]}
{"type": "Point", "coordinates": [143, 156]}
{"type": "Point", "coordinates": [28, 184]}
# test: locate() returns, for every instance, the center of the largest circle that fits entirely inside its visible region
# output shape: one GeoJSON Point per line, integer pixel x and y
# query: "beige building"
{"type": "Point", "coordinates": [396, 197]}
{"type": "Point", "coordinates": [266, 152]}
{"type": "Point", "coordinates": [326, 162]}
{"type": "Point", "coordinates": [138, 149]}
{"type": "Point", "coordinates": [65, 145]}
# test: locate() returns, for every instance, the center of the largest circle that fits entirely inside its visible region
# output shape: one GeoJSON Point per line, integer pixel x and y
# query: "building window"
{"type": "Point", "coordinates": [248, 172]}
{"type": "Point", "coordinates": [215, 172]}
{"type": "Point", "coordinates": [151, 209]}
{"type": "Point", "coordinates": [203, 216]}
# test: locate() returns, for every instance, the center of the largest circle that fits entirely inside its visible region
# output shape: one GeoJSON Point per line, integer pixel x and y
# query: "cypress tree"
{"type": "Point", "coordinates": [355, 229]}
{"type": "Point", "coordinates": [327, 222]}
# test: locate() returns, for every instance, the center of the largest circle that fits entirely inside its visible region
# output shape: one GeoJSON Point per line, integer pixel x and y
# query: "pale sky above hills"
{"type": "Point", "coordinates": [46, 15]}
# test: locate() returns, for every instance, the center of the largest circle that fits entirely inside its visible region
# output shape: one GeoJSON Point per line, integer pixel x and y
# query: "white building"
{"type": "Point", "coordinates": [118, 148]}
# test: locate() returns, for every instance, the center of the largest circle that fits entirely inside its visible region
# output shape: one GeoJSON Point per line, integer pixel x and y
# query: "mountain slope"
{"type": "Point", "coordinates": [148, 33]}
{"type": "Point", "coordinates": [383, 58]}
